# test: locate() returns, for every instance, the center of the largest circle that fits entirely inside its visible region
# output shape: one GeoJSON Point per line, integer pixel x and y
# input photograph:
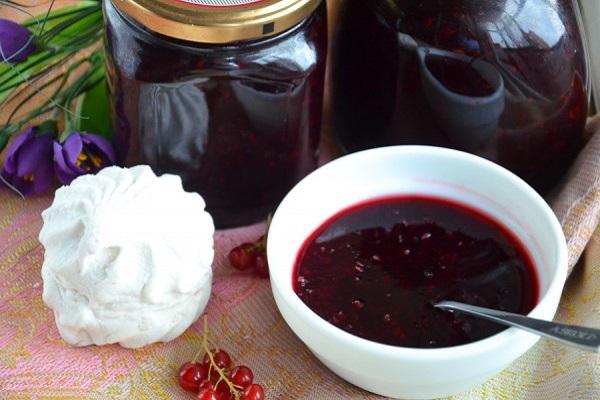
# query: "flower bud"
{"type": "Point", "coordinates": [16, 43]}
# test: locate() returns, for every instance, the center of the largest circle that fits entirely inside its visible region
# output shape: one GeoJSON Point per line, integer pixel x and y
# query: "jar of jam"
{"type": "Point", "coordinates": [225, 93]}
{"type": "Point", "coordinates": [504, 79]}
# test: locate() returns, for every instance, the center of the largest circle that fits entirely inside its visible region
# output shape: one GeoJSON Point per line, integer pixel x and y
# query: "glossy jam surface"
{"type": "Point", "coordinates": [375, 270]}
{"type": "Point", "coordinates": [378, 96]}
{"type": "Point", "coordinates": [239, 123]}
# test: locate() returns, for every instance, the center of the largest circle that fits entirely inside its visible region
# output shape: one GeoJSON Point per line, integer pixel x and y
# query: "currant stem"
{"type": "Point", "coordinates": [269, 220]}
{"type": "Point", "coordinates": [213, 364]}
{"type": "Point", "coordinates": [203, 339]}
{"type": "Point", "coordinates": [262, 245]}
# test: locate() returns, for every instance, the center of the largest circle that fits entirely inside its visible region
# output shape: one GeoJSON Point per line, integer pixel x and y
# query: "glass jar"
{"type": "Point", "coordinates": [227, 94]}
{"type": "Point", "coordinates": [504, 79]}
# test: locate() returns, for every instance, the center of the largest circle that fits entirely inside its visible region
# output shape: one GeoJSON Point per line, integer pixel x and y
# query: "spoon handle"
{"type": "Point", "coordinates": [572, 335]}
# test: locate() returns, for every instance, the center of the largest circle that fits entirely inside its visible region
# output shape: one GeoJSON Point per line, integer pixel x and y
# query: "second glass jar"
{"type": "Point", "coordinates": [504, 79]}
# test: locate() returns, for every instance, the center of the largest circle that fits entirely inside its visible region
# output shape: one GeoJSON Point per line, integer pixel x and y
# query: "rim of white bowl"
{"type": "Point", "coordinates": [447, 353]}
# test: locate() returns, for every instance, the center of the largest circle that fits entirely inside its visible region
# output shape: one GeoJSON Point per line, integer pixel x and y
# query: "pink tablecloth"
{"type": "Point", "coordinates": [36, 363]}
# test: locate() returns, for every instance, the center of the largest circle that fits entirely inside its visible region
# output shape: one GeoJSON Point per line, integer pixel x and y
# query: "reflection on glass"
{"type": "Point", "coordinates": [181, 110]}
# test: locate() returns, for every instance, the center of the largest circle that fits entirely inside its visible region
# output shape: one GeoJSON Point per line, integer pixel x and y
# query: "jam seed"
{"type": "Point", "coordinates": [358, 304]}
{"type": "Point", "coordinates": [302, 281]}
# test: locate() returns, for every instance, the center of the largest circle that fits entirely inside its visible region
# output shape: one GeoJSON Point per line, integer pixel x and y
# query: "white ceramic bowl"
{"type": "Point", "coordinates": [399, 372]}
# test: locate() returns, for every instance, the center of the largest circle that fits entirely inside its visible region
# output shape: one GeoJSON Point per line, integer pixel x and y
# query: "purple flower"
{"type": "Point", "coordinates": [80, 154]}
{"type": "Point", "coordinates": [28, 162]}
{"type": "Point", "coordinates": [15, 42]}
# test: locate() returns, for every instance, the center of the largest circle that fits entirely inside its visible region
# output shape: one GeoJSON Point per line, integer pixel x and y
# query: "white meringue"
{"type": "Point", "coordinates": [127, 258]}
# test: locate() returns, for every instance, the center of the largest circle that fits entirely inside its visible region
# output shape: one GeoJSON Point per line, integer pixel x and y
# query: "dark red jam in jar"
{"type": "Point", "coordinates": [227, 94]}
{"type": "Point", "coordinates": [383, 51]}
{"type": "Point", "coordinates": [376, 269]}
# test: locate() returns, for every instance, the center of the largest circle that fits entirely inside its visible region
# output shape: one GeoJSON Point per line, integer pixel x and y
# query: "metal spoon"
{"type": "Point", "coordinates": [577, 336]}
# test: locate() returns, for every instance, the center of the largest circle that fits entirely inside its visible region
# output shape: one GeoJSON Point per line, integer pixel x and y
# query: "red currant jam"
{"type": "Point", "coordinates": [376, 269]}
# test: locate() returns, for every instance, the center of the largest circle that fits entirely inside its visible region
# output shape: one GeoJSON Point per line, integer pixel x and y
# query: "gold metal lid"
{"type": "Point", "coordinates": [217, 21]}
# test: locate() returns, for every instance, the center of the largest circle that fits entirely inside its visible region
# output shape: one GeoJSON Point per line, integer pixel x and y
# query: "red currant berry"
{"type": "Point", "coordinates": [242, 376]}
{"type": "Point", "coordinates": [190, 376]}
{"type": "Point", "coordinates": [221, 358]}
{"type": "Point", "coordinates": [242, 257]}
{"type": "Point", "coordinates": [207, 394]}
{"type": "Point", "coordinates": [206, 384]}
{"type": "Point", "coordinates": [261, 266]}
{"type": "Point", "coordinates": [226, 395]}
{"type": "Point", "coordinates": [222, 388]}
{"type": "Point", "coordinates": [204, 371]}
{"type": "Point", "coordinates": [253, 392]}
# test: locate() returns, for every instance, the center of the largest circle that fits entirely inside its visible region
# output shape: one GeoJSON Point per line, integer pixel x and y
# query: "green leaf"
{"type": "Point", "coordinates": [13, 75]}
{"type": "Point", "coordinates": [57, 16]}
{"type": "Point", "coordinates": [4, 136]}
{"type": "Point", "coordinates": [93, 111]}
{"type": "Point", "coordinates": [48, 126]}
{"type": "Point", "coordinates": [59, 35]}
{"type": "Point", "coordinates": [75, 29]}
{"type": "Point", "coordinates": [66, 31]}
